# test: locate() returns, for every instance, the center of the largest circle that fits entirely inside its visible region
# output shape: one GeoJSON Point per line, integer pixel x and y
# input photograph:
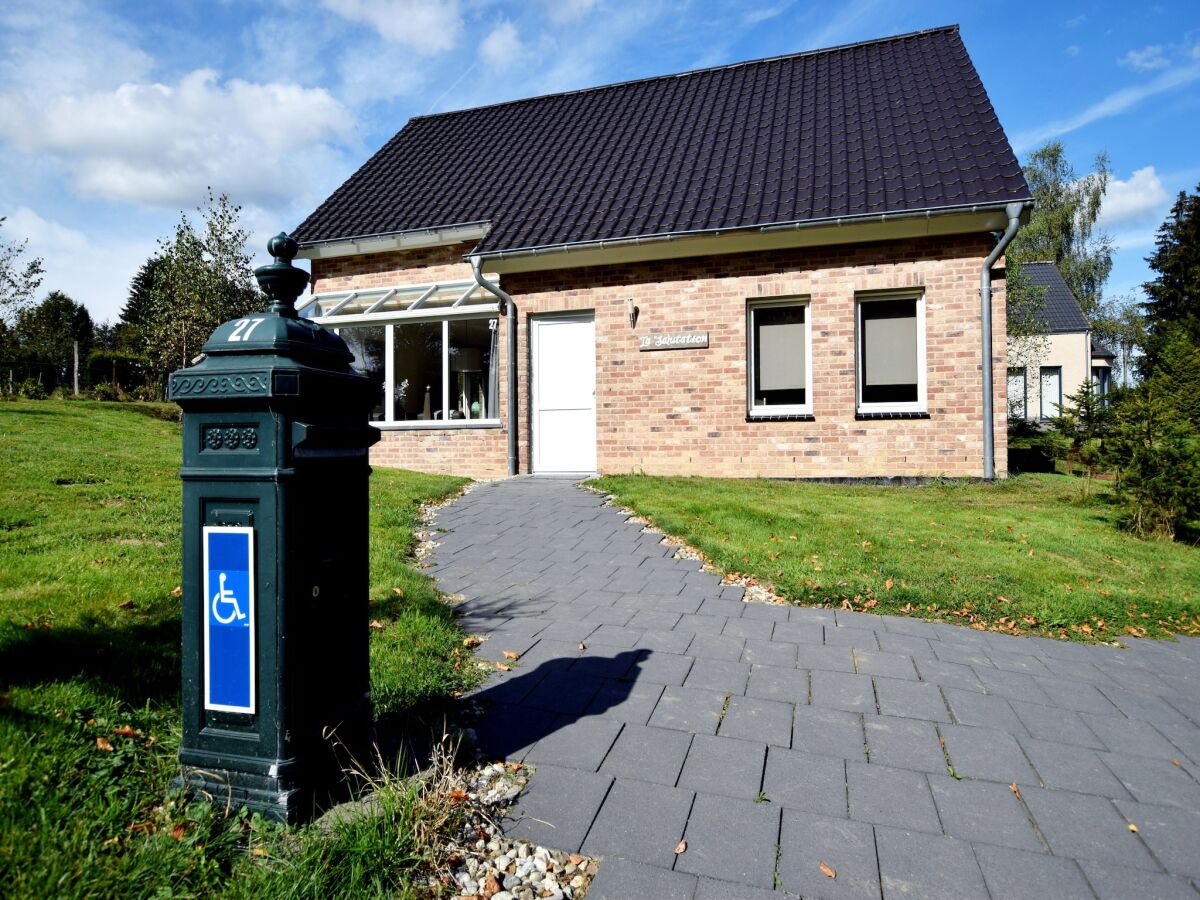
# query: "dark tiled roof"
{"type": "Point", "coordinates": [901, 123]}
{"type": "Point", "coordinates": [1099, 351]}
{"type": "Point", "coordinates": [1060, 311]}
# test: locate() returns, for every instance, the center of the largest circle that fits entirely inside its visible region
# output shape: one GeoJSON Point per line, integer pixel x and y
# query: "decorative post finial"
{"type": "Point", "coordinates": [280, 280]}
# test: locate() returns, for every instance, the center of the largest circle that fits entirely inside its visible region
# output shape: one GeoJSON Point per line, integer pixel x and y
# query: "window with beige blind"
{"type": "Point", "coordinates": [891, 354]}
{"type": "Point", "coordinates": [780, 356]}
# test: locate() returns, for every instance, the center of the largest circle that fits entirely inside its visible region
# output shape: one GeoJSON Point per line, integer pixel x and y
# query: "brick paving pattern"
{"type": "Point", "coordinates": [776, 739]}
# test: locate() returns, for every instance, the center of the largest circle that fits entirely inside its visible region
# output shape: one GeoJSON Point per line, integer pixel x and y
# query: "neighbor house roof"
{"type": "Point", "coordinates": [1099, 351]}
{"type": "Point", "coordinates": [1060, 311]}
{"type": "Point", "coordinates": [891, 125]}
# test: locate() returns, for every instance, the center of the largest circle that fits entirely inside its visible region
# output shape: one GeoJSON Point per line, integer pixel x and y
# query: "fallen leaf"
{"type": "Point", "coordinates": [128, 604]}
{"type": "Point", "coordinates": [490, 886]}
{"type": "Point", "coordinates": [127, 731]}
{"type": "Point", "coordinates": [260, 851]}
{"type": "Point", "coordinates": [828, 871]}
{"type": "Point", "coordinates": [1016, 790]}
{"type": "Point", "coordinates": [1176, 762]}
{"type": "Point", "coordinates": [888, 584]}
{"type": "Point", "coordinates": [103, 743]}
{"type": "Point", "coordinates": [471, 641]}
{"type": "Point", "coordinates": [680, 847]}
{"type": "Point", "coordinates": [177, 592]}
{"type": "Point", "coordinates": [399, 592]}
{"type": "Point", "coordinates": [575, 859]}
{"type": "Point", "coordinates": [503, 668]}
{"type": "Point", "coordinates": [375, 623]}
{"type": "Point", "coordinates": [1133, 828]}
{"type": "Point", "coordinates": [509, 654]}
{"type": "Point", "coordinates": [582, 645]}
{"type": "Point", "coordinates": [458, 796]}
{"type": "Point", "coordinates": [178, 831]}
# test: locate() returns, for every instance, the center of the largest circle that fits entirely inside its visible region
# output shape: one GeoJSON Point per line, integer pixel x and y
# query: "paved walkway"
{"type": "Point", "coordinates": [775, 740]}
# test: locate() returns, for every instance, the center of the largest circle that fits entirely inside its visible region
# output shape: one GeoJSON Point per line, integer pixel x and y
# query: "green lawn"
{"type": "Point", "coordinates": [1029, 554]}
{"type": "Point", "coordinates": [89, 660]}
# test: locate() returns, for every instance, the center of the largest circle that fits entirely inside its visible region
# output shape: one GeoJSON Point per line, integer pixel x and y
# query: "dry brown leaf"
{"type": "Point", "coordinates": [458, 796]}
{"type": "Point", "coordinates": [503, 668]}
{"type": "Point", "coordinates": [177, 831]}
{"type": "Point", "coordinates": [375, 623]}
{"type": "Point", "coordinates": [1176, 762]}
{"type": "Point", "coordinates": [1133, 828]}
{"type": "Point", "coordinates": [127, 731]}
{"type": "Point", "coordinates": [681, 847]}
{"type": "Point", "coordinates": [128, 604]}
{"type": "Point", "coordinates": [471, 641]}
{"type": "Point", "coordinates": [888, 584]}
{"type": "Point", "coordinates": [575, 859]}
{"type": "Point", "coordinates": [260, 851]}
{"type": "Point", "coordinates": [399, 592]}
{"type": "Point", "coordinates": [1016, 790]}
{"type": "Point", "coordinates": [103, 743]}
{"type": "Point", "coordinates": [511, 654]}
{"type": "Point", "coordinates": [111, 842]}
{"type": "Point", "coordinates": [582, 645]}
{"type": "Point", "coordinates": [490, 886]}
{"type": "Point", "coordinates": [828, 871]}
{"type": "Point", "coordinates": [177, 592]}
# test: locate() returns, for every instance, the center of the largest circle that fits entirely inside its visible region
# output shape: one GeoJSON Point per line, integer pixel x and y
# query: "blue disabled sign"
{"type": "Point", "coordinates": [229, 618]}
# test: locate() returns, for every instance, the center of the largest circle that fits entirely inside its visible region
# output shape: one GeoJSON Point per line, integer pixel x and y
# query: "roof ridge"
{"type": "Point", "coordinates": [954, 28]}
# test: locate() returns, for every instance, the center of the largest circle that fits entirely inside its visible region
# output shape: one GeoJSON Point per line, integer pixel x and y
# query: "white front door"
{"type": "Point", "coordinates": [564, 393]}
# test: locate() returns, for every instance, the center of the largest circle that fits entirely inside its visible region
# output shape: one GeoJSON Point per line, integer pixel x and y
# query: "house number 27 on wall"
{"type": "Point", "coordinates": [240, 327]}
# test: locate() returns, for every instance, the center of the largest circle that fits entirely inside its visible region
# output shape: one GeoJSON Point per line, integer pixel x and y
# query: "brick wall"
{"type": "Point", "coordinates": [684, 412]}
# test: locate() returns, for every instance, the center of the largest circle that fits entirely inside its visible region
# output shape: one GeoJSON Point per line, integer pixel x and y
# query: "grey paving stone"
{"type": "Point", "coordinates": [803, 781]}
{"type": "Point", "coordinates": [774, 612]}
{"type": "Point", "coordinates": [1154, 780]}
{"type": "Point", "coordinates": [608, 615]}
{"type": "Point", "coordinates": [615, 636]}
{"type": "Point", "coordinates": [1144, 707]}
{"type": "Point", "coordinates": [806, 841]}
{"type": "Point", "coordinates": [507, 732]}
{"type": "Point", "coordinates": [658, 667]}
{"type": "Point", "coordinates": [580, 744]}
{"type": "Point", "coordinates": [986, 753]}
{"type": "Point", "coordinates": [688, 709]}
{"type": "Point", "coordinates": [769, 653]}
{"type": "Point", "coordinates": [799, 633]}
{"type": "Point", "coordinates": [776, 683]}
{"type": "Point", "coordinates": [665, 641]}
{"type": "Point", "coordinates": [984, 811]}
{"type": "Point", "coordinates": [911, 699]}
{"type": "Point", "coordinates": [622, 879]}
{"type": "Point", "coordinates": [908, 644]}
{"type": "Point", "coordinates": [984, 711]}
{"type": "Point", "coordinates": [906, 625]}
{"type": "Point", "coordinates": [973, 656]}
{"type": "Point", "coordinates": [494, 647]}
{"type": "Point", "coordinates": [1072, 769]}
{"type": "Point", "coordinates": [932, 867]}
{"type": "Point", "coordinates": [1085, 827]}
{"type": "Point", "coordinates": [756, 719]}
{"type": "Point", "coordinates": [731, 839]}
{"type": "Point", "coordinates": [1076, 695]}
{"type": "Point", "coordinates": [904, 743]}
{"type": "Point", "coordinates": [694, 624]}
{"type": "Point", "coordinates": [847, 618]}
{"type": "Point", "coordinates": [640, 821]}
{"type": "Point", "coordinates": [1119, 883]}
{"type": "Point", "coordinates": [568, 630]}
{"type": "Point", "coordinates": [712, 889]}
{"type": "Point", "coordinates": [811, 615]}
{"type": "Point", "coordinates": [759, 629]}
{"type": "Point", "coordinates": [1011, 685]}
{"type": "Point", "coordinates": [627, 701]}
{"type": "Point", "coordinates": [886, 796]}
{"type": "Point", "coordinates": [725, 766]}
{"type": "Point", "coordinates": [565, 691]}
{"type": "Point", "coordinates": [828, 659]}
{"type": "Point", "coordinates": [556, 809]}
{"type": "Point", "coordinates": [828, 732]}
{"type": "Point", "coordinates": [654, 620]}
{"type": "Point", "coordinates": [1019, 874]}
{"type": "Point", "coordinates": [606, 662]}
{"type": "Point", "coordinates": [731, 608]}
{"type": "Point", "coordinates": [947, 674]}
{"type": "Point", "coordinates": [879, 662]}
{"type": "Point", "coordinates": [843, 690]}
{"type": "Point", "coordinates": [719, 675]}
{"type": "Point", "coordinates": [860, 638]}
{"type": "Point", "coordinates": [1185, 737]}
{"type": "Point", "coordinates": [1012, 661]}
{"type": "Point", "coordinates": [648, 754]}
{"type": "Point", "coordinates": [1123, 735]}
{"type": "Point", "coordinates": [1053, 723]}
{"type": "Point", "coordinates": [719, 647]}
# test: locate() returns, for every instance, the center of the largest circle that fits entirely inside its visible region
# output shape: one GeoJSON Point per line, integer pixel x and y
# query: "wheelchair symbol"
{"type": "Point", "coordinates": [225, 597]}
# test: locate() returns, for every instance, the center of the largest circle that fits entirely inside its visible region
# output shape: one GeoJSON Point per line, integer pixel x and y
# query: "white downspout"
{"type": "Point", "coordinates": [510, 353]}
{"type": "Point", "coordinates": [985, 311]}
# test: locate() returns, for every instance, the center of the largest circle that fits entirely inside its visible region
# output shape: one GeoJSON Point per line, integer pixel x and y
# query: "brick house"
{"type": "Point", "coordinates": [1047, 370]}
{"type": "Point", "coordinates": [772, 269]}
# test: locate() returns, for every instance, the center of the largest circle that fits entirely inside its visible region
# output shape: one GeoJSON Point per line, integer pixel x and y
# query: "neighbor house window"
{"type": "Point", "coordinates": [1017, 402]}
{"type": "Point", "coordinates": [1051, 387]}
{"type": "Point", "coordinates": [1102, 380]}
{"type": "Point", "coordinates": [432, 371]}
{"type": "Point", "coordinates": [780, 354]}
{"type": "Point", "coordinates": [891, 354]}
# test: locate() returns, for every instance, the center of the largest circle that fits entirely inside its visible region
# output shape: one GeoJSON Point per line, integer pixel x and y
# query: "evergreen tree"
{"type": "Point", "coordinates": [1174, 296]}
{"type": "Point", "coordinates": [46, 333]}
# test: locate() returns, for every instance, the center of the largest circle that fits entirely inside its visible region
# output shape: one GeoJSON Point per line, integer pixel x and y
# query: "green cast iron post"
{"type": "Point", "coordinates": [275, 557]}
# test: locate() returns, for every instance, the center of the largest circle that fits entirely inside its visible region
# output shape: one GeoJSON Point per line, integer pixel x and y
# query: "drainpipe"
{"type": "Point", "coordinates": [985, 310]}
{"type": "Point", "coordinates": [510, 352]}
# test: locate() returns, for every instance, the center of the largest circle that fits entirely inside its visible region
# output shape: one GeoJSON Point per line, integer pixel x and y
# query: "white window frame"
{"type": "Point", "coordinates": [389, 421]}
{"type": "Point", "coordinates": [1042, 370]}
{"type": "Point", "coordinates": [791, 409]}
{"type": "Point", "coordinates": [921, 404]}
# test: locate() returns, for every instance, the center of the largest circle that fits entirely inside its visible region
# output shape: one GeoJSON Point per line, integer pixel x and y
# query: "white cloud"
{"type": "Point", "coordinates": [94, 271]}
{"type": "Point", "coordinates": [1072, 50]}
{"type": "Point", "coordinates": [1075, 22]}
{"type": "Point", "coordinates": [1112, 105]}
{"type": "Point", "coordinates": [765, 13]}
{"type": "Point", "coordinates": [426, 27]}
{"type": "Point", "coordinates": [1148, 59]}
{"type": "Point", "coordinates": [564, 11]}
{"type": "Point", "coordinates": [1138, 197]}
{"type": "Point", "coordinates": [161, 145]}
{"type": "Point", "coordinates": [502, 47]}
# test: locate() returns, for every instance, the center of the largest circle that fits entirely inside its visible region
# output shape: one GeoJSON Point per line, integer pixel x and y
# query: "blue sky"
{"type": "Point", "coordinates": [114, 116]}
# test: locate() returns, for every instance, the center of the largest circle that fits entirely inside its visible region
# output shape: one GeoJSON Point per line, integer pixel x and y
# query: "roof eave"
{"type": "Point", "coordinates": [411, 239]}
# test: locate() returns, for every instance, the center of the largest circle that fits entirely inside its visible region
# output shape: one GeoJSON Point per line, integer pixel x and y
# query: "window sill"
{"type": "Point", "coordinates": [871, 416]}
{"type": "Point", "coordinates": [437, 425]}
{"type": "Point", "coordinates": [782, 417]}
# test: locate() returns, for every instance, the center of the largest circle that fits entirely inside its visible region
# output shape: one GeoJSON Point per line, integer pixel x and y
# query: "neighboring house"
{"type": "Point", "coordinates": [1055, 365]}
{"type": "Point", "coordinates": [764, 269]}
